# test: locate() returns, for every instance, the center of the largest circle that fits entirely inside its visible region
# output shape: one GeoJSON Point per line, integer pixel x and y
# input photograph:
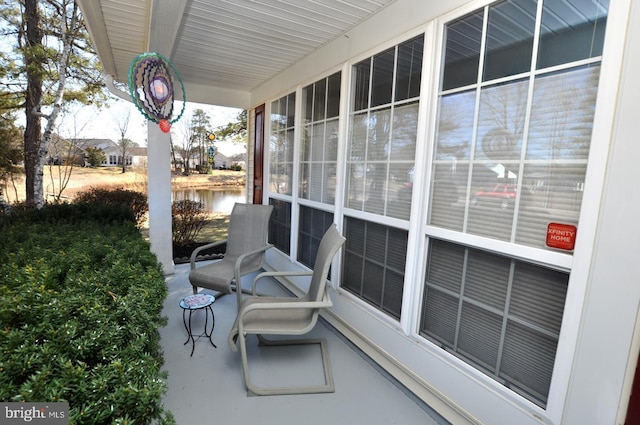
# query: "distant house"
{"type": "Point", "coordinates": [240, 159]}
{"type": "Point", "coordinates": [136, 156]}
{"type": "Point", "coordinates": [220, 161]}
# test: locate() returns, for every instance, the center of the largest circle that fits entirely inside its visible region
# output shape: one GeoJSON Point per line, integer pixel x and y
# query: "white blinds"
{"type": "Point", "coordinates": [502, 315]}
{"type": "Point", "coordinates": [515, 114]}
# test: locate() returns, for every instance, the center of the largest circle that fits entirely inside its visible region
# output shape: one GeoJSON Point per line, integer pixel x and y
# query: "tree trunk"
{"type": "Point", "coordinates": [4, 205]}
{"type": "Point", "coordinates": [33, 98]}
{"type": "Point", "coordinates": [124, 156]}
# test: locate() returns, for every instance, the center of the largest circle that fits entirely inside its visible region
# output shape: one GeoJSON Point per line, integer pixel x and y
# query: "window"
{"type": "Point", "coordinates": [281, 144]}
{"type": "Point", "coordinates": [528, 131]}
{"type": "Point", "coordinates": [510, 156]}
{"type": "Point", "coordinates": [374, 258]}
{"type": "Point", "coordinates": [280, 225]}
{"type": "Point", "coordinates": [312, 225]}
{"type": "Point", "coordinates": [500, 314]}
{"type": "Point", "coordinates": [383, 127]}
{"type": "Point", "coordinates": [319, 150]}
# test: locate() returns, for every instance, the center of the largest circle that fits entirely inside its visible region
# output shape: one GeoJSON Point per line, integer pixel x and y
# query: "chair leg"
{"type": "Point", "coordinates": [255, 390]}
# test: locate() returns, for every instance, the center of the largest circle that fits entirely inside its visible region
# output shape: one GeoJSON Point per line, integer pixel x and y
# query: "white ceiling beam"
{"type": "Point", "coordinates": [164, 25]}
{"type": "Point", "coordinates": [94, 21]}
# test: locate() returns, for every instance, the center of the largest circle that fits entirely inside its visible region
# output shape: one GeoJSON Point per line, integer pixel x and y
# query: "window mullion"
{"type": "Point", "coordinates": [505, 317]}
{"type": "Point", "coordinates": [476, 117]}
{"type": "Point", "coordinates": [461, 299]}
{"type": "Point", "coordinates": [527, 119]}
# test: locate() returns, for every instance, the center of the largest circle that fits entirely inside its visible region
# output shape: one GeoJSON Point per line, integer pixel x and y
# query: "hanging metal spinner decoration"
{"type": "Point", "coordinates": [152, 90]}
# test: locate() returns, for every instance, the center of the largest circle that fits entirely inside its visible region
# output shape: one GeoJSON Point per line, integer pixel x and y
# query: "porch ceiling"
{"type": "Point", "coordinates": [222, 48]}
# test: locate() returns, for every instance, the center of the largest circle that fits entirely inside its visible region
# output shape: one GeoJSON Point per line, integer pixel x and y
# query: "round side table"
{"type": "Point", "coordinates": [192, 303]}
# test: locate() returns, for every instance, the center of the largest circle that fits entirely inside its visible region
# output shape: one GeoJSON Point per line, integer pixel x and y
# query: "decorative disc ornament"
{"type": "Point", "coordinates": [151, 87]}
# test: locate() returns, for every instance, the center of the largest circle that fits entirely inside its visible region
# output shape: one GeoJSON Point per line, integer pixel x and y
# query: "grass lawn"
{"type": "Point", "coordinates": [77, 179]}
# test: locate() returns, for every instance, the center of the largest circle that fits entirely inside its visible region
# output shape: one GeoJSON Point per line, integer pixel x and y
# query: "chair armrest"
{"type": "Point", "coordinates": [242, 257]}
{"type": "Point", "coordinates": [196, 251]}
{"type": "Point", "coordinates": [284, 305]}
{"type": "Point", "coordinates": [282, 273]}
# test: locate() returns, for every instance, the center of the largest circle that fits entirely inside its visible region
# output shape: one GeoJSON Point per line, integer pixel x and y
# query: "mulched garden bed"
{"type": "Point", "coordinates": [182, 252]}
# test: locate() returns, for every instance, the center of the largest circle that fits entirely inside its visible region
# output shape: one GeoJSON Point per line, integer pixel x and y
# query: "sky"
{"type": "Point", "coordinates": [91, 122]}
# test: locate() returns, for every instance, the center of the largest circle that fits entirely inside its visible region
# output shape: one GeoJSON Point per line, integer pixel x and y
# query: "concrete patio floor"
{"type": "Point", "coordinates": [208, 387]}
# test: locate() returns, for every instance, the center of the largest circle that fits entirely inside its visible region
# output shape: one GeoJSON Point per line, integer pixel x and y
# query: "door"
{"type": "Point", "coordinates": [258, 154]}
{"type": "Point", "coordinates": [633, 411]}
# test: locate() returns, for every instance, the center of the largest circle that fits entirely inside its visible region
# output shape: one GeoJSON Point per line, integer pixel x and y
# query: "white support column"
{"type": "Point", "coordinates": [159, 186]}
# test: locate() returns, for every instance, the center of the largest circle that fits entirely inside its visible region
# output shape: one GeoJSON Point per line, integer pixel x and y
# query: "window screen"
{"type": "Point", "coordinates": [499, 314]}
{"type": "Point", "coordinates": [313, 224]}
{"type": "Point", "coordinates": [280, 225]}
{"type": "Point", "coordinates": [374, 262]}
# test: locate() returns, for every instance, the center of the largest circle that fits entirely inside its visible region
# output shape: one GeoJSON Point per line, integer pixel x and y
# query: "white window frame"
{"type": "Point", "coordinates": [578, 263]}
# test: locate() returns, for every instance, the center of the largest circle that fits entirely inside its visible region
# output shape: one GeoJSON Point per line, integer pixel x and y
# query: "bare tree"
{"type": "Point", "coordinates": [63, 155]}
{"type": "Point", "coordinates": [187, 142]}
{"type": "Point", "coordinates": [122, 122]}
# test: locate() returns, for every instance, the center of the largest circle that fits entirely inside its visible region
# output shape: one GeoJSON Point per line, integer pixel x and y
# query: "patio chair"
{"type": "Point", "coordinates": [262, 315]}
{"type": "Point", "coordinates": [246, 245]}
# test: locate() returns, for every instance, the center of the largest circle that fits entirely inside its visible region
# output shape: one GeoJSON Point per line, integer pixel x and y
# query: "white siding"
{"type": "Point", "coordinates": [595, 356]}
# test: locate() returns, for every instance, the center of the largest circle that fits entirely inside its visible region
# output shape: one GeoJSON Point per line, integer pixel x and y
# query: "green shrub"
{"type": "Point", "coordinates": [188, 218]}
{"type": "Point", "coordinates": [71, 213]}
{"type": "Point", "coordinates": [80, 307]}
{"type": "Point", "coordinates": [136, 201]}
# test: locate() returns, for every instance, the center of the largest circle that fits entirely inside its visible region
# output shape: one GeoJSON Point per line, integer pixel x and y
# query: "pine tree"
{"type": "Point", "coordinates": [52, 65]}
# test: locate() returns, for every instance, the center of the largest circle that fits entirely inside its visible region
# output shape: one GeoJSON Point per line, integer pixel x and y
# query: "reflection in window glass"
{"type": "Point", "coordinates": [382, 77]}
{"type": "Point", "coordinates": [333, 95]}
{"type": "Point", "coordinates": [319, 100]}
{"type": "Point", "coordinates": [510, 158]}
{"type": "Point", "coordinates": [409, 69]}
{"type": "Point", "coordinates": [281, 144]}
{"type": "Point", "coordinates": [552, 188]}
{"type": "Point", "coordinates": [361, 78]}
{"type": "Point", "coordinates": [501, 122]}
{"type": "Point", "coordinates": [483, 131]}
{"type": "Point", "coordinates": [492, 201]}
{"type": "Point", "coordinates": [318, 154]}
{"type": "Point", "coordinates": [571, 31]}
{"type": "Point", "coordinates": [448, 195]}
{"type": "Point", "coordinates": [382, 135]}
{"type": "Point", "coordinates": [509, 38]}
{"type": "Point", "coordinates": [379, 126]}
{"type": "Point", "coordinates": [455, 126]}
{"type": "Point", "coordinates": [405, 127]}
{"type": "Point", "coordinates": [462, 54]}
{"type": "Point", "coordinates": [562, 114]}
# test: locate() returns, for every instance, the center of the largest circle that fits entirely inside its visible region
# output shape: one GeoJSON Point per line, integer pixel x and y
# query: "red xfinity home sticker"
{"type": "Point", "coordinates": [561, 236]}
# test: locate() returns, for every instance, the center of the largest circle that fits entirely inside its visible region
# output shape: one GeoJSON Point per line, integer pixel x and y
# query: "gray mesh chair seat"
{"type": "Point", "coordinates": [246, 245]}
{"type": "Point", "coordinates": [288, 316]}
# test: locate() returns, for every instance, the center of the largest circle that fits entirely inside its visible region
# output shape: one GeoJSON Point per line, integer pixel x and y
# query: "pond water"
{"type": "Point", "coordinates": [214, 200]}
